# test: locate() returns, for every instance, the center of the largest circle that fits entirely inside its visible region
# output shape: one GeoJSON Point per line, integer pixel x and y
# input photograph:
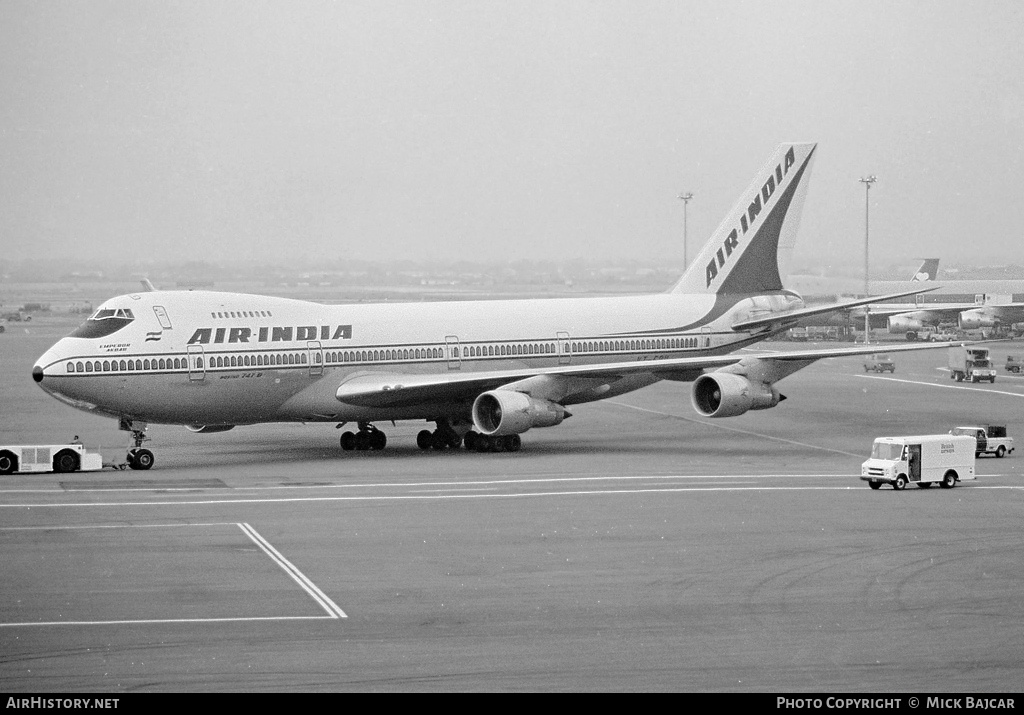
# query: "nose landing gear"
{"type": "Point", "coordinates": [138, 458]}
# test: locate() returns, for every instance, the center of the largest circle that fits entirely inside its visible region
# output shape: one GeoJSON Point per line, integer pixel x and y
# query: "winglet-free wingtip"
{"type": "Point", "coordinates": [147, 285]}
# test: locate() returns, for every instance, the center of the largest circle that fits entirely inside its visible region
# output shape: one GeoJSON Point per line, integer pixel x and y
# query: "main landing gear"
{"type": "Point", "coordinates": [368, 437]}
{"type": "Point", "coordinates": [485, 443]}
{"type": "Point", "coordinates": [446, 437]}
{"type": "Point", "coordinates": [138, 458]}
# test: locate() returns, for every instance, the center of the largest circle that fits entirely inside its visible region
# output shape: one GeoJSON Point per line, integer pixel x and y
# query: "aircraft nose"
{"type": "Point", "coordinates": [37, 373]}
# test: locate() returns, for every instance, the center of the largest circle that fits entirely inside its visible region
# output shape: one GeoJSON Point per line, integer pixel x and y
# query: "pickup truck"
{"type": "Point", "coordinates": [1014, 363]}
{"type": "Point", "coordinates": [990, 439]}
{"type": "Point", "coordinates": [879, 363]}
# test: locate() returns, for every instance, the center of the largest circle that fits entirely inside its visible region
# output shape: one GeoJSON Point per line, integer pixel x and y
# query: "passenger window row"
{"type": "Point", "coordinates": [599, 346]}
{"type": "Point", "coordinates": [333, 357]}
{"type": "Point", "coordinates": [242, 314]}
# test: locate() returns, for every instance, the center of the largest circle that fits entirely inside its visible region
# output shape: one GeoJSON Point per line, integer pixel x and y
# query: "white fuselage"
{"type": "Point", "coordinates": [208, 358]}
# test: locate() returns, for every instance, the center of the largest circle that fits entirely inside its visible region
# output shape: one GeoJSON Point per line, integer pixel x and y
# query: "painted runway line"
{"type": "Point", "coordinates": [324, 601]}
{"type": "Point", "coordinates": [308, 586]}
{"type": "Point", "coordinates": [468, 484]}
{"type": "Point", "coordinates": [440, 497]}
{"type": "Point", "coordinates": [989, 391]}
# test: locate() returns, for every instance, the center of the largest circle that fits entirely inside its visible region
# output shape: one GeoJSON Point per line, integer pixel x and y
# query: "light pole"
{"type": "Point", "coordinates": [686, 196]}
{"type": "Point", "coordinates": [867, 181]}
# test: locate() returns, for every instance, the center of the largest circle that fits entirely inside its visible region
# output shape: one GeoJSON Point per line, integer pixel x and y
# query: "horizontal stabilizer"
{"type": "Point", "coordinates": [783, 320]}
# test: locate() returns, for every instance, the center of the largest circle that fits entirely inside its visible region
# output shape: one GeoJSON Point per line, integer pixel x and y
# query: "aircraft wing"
{"type": "Point", "coordinates": [781, 320]}
{"type": "Point", "coordinates": [560, 383]}
{"type": "Point", "coordinates": [1005, 312]}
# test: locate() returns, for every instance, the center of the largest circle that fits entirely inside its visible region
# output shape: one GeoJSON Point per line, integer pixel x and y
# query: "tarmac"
{"type": "Point", "coordinates": [635, 547]}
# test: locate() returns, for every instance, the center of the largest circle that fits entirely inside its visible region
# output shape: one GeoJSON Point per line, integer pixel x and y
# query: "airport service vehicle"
{"type": "Point", "coordinates": [970, 363]}
{"type": "Point", "coordinates": [48, 458]}
{"type": "Point", "coordinates": [1014, 363]}
{"type": "Point", "coordinates": [922, 460]}
{"type": "Point", "coordinates": [879, 362]}
{"type": "Point", "coordinates": [484, 372]}
{"type": "Point", "coordinates": [990, 439]}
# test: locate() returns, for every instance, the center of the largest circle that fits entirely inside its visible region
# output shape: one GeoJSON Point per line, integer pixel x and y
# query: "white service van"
{"type": "Point", "coordinates": [922, 460]}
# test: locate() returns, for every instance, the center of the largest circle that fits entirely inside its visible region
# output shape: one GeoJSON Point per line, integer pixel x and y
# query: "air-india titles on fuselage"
{"type": "Point", "coordinates": [204, 336]}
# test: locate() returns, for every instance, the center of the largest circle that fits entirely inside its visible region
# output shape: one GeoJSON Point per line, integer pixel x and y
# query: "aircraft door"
{"type": "Point", "coordinates": [316, 358]}
{"type": "Point", "coordinates": [705, 337]}
{"type": "Point", "coordinates": [914, 462]}
{"type": "Point", "coordinates": [454, 353]}
{"type": "Point", "coordinates": [564, 356]}
{"type": "Point", "coordinates": [196, 363]}
{"type": "Point", "coordinates": [161, 315]}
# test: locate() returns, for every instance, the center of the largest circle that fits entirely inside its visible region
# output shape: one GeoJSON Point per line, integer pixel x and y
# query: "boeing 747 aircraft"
{"type": "Point", "coordinates": [483, 372]}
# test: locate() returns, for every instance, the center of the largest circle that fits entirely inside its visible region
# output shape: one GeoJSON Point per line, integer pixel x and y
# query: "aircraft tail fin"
{"type": "Point", "coordinates": [927, 272]}
{"type": "Point", "coordinates": [750, 250]}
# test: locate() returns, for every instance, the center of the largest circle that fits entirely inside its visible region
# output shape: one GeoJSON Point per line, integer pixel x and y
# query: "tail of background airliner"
{"type": "Point", "coordinates": [927, 272]}
{"type": "Point", "coordinates": [751, 249]}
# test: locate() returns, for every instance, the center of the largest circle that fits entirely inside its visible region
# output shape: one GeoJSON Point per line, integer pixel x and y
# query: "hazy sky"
{"type": "Point", "coordinates": [488, 130]}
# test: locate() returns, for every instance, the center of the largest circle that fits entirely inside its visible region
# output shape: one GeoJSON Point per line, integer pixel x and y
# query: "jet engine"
{"type": "Point", "coordinates": [722, 394]}
{"type": "Point", "coordinates": [504, 412]}
{"type": "Point", "coordinates": [974, 319]}
{"type": "Point", "coordinates": [905, 324]}
{"type": "Point", "coordinates": [207, 429]}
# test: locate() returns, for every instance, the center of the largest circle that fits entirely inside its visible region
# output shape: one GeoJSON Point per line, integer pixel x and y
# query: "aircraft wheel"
{"type": "Point", "coordinates": [949, 479]}
{"type": "Point", "coordinates": [900, 483]}
{"type": "Point", "coordinates": [8, 462]}
{"type": "Point", "coordinates": [140, 459]}
{"type": "Point", "coordinates": [362, 440]}
{"type": "Point", "coordinates": [348, 441]}
{"type": "Point", "coordinates": [66, 462]}
{"type": "Point", "coordinates": [513, 443]}
{"type": "Point", "coordinates": [424, 439]}
{"type": "Point", "coordinates": [470, 440]}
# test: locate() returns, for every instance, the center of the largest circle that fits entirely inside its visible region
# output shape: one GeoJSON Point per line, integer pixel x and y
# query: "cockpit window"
{"type": "Point", "coordinates": [104, 322]}
{"type": "Point", "coordinates": [105, 313]}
